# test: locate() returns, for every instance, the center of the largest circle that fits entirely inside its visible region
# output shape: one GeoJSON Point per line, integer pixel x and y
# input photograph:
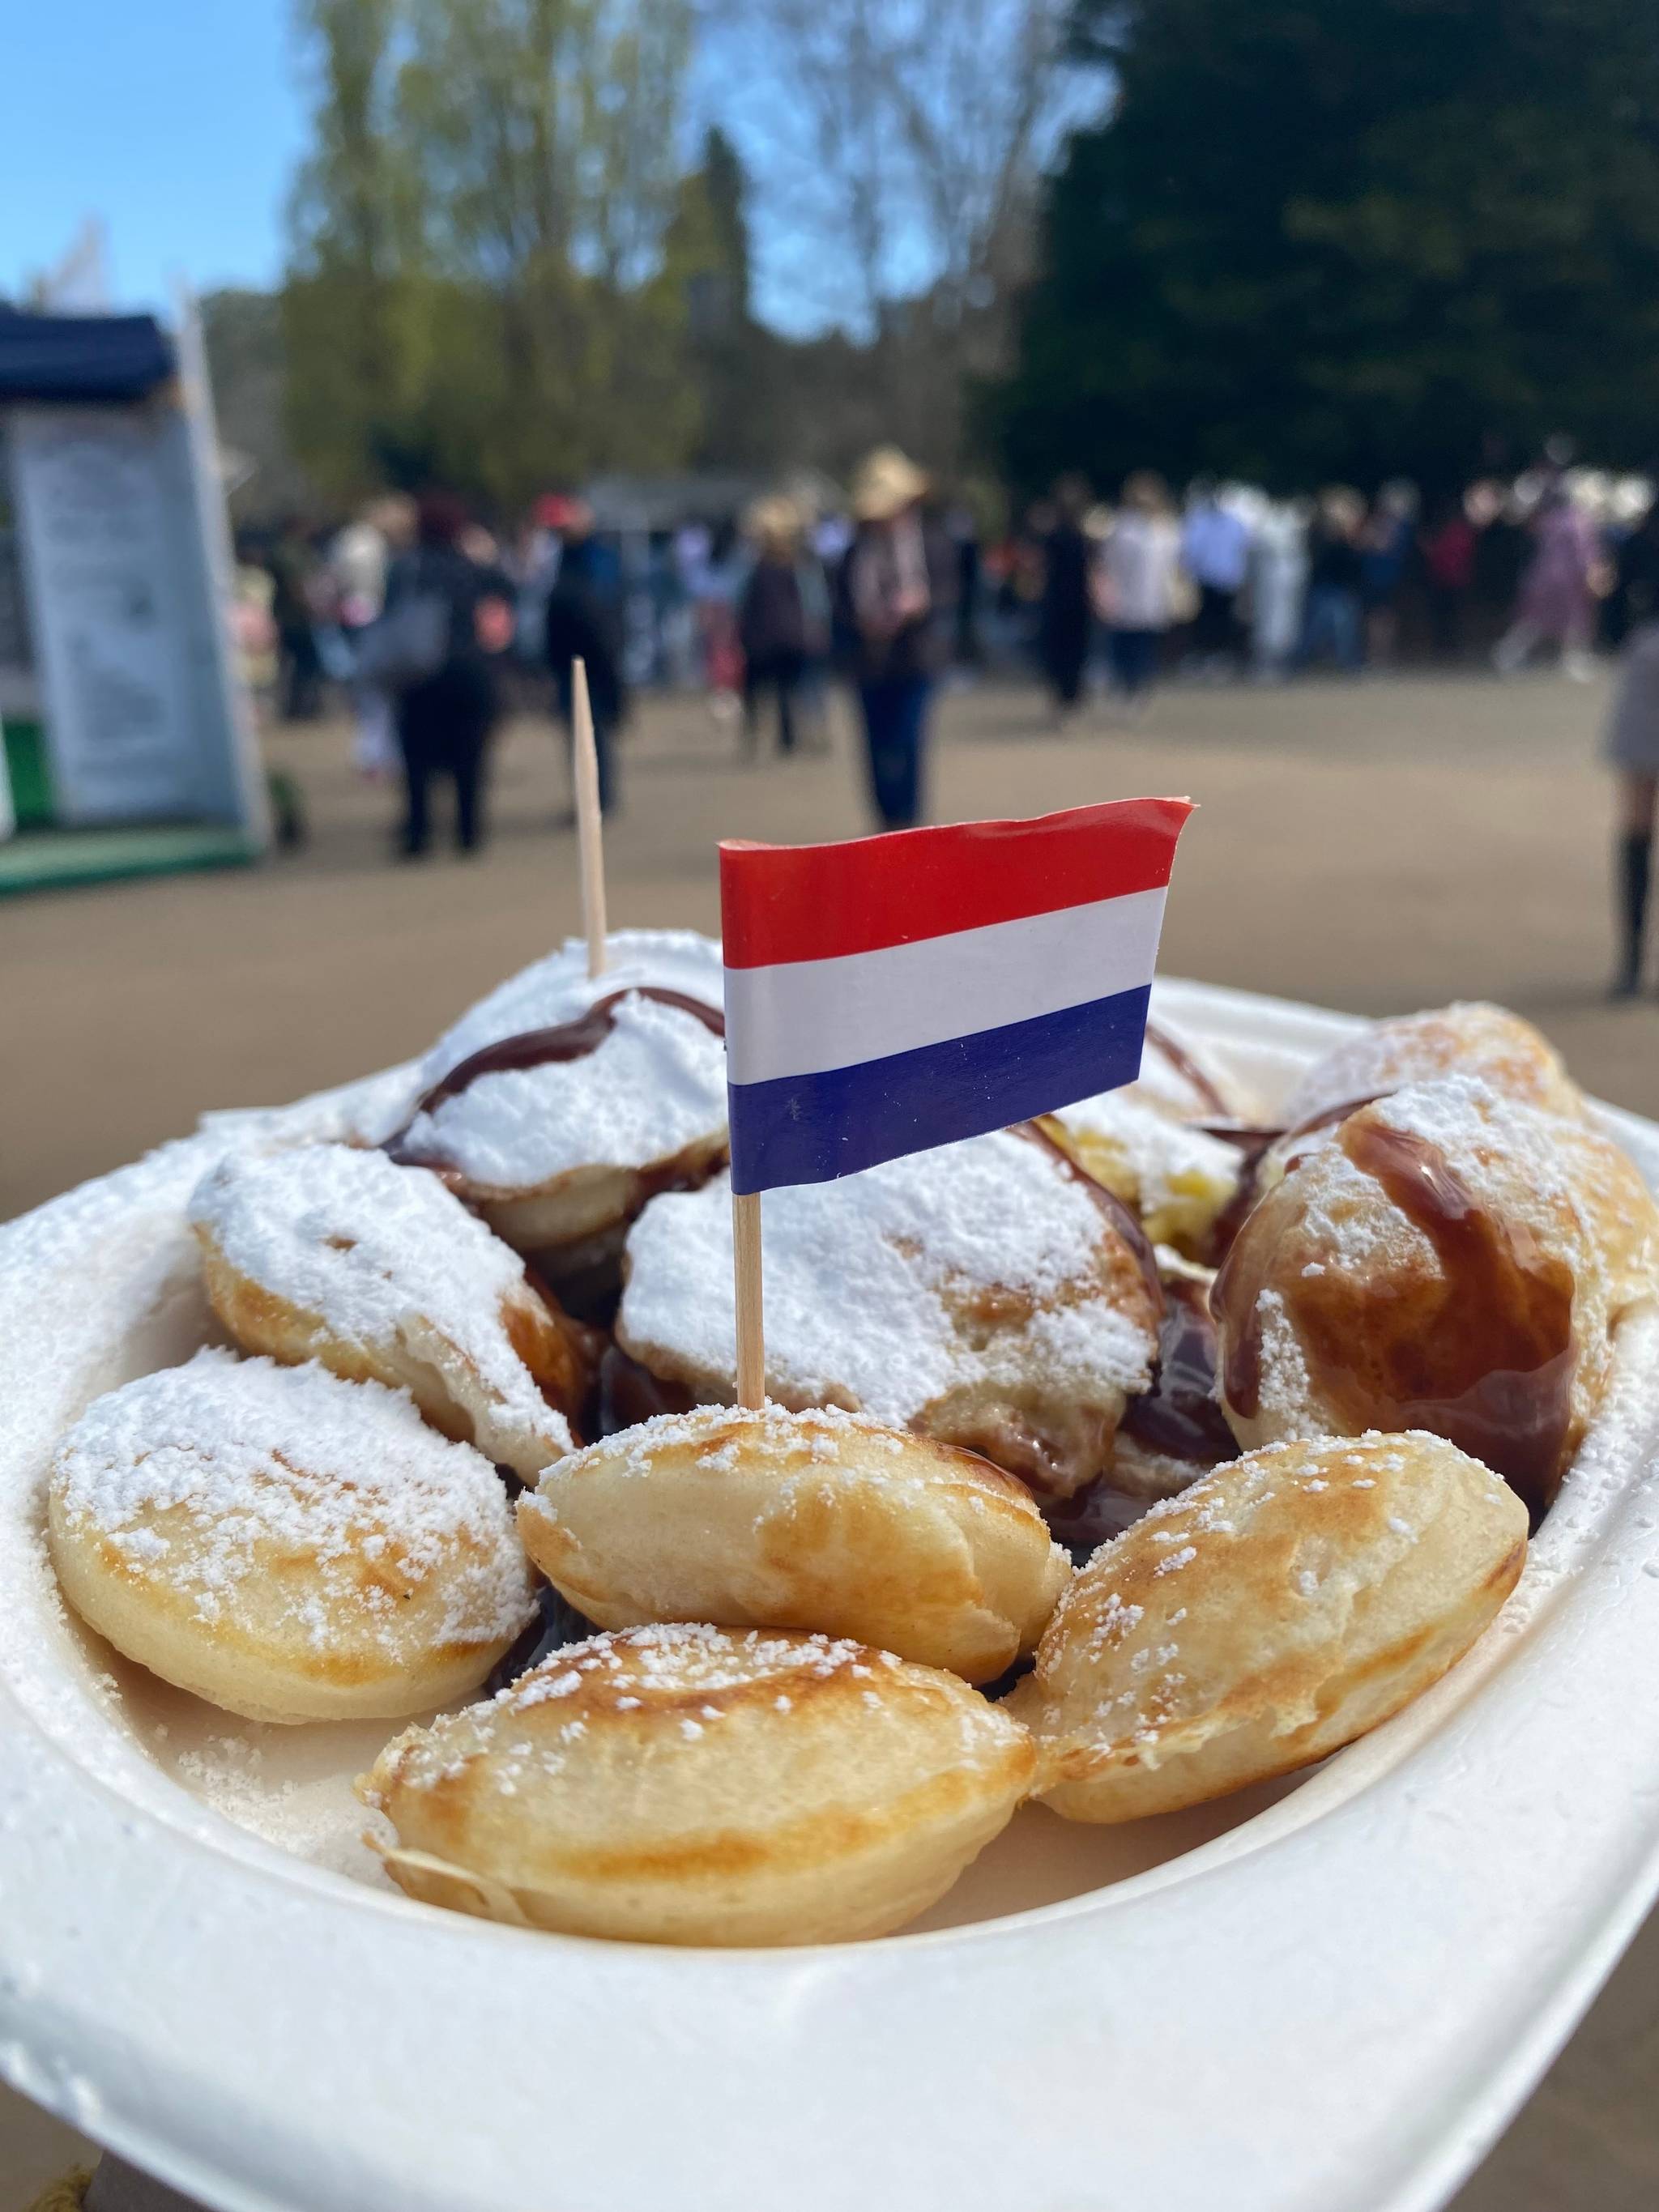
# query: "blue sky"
{"type": "Point", "coordinates": [179, 121]}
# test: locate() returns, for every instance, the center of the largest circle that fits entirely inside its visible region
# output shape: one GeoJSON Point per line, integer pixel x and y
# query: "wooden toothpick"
{"type": "Point", "coordinates": [746, 1281]}
{"type": "Point", "coordinates": [590, 828]}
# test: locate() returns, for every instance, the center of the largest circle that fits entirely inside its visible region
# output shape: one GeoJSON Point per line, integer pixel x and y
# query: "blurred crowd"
{"type": "Point", "coordinates": [1228, 582]}
{"type": "Point", "coordinates": [429, 621]}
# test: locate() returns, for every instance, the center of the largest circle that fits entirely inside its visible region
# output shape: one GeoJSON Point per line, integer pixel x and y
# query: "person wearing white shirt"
{"type": "Point", "coordinates": [1137, 580]}
{"type": "Point", "coordinates": [1215, 551]}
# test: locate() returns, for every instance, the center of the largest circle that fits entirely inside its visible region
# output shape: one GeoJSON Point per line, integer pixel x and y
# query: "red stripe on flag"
{"type": "Point", "coordinates": [783, 902]}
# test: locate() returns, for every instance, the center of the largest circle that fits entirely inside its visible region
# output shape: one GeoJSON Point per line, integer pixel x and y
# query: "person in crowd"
{"type": "Point", "coordinates": [1634, 597]}
{"type": "Point", "coordinates": [1331, 611]}
{"type": "Point", "coordinates": [1556, 603]}
{"type": "Point", "coordinates": [1065, 618]}
{"type": "Point", "coordinates": [445, 718]}
{"type": "Point", "coordinates": [253, 626]}
{"type": "Point", "coordinates": [717, 585]}
{"type": "Point", "coordinates": [1632, 747]}
{"type": "Point", "coordinates": [1215, 551]}
{"type": "Point", "coordinates": [1449, 548]}
{"type": "Point", "coordinates": [1137, 575]}
{"type": "Point", "coordinates": [783, 618]}
{"type": "Point", "coordinates": [293, 563]}
{"type": "Point", "coordinates": [583, 620]}
{"type": "Point", "coordinates": [360, 557]}
{"type": "Point", "coordinates": [962, 528]}
{"type": "Point", "coordinates": [895, 591]}
{"type": "Point", "coordinates": [1275, 582]}
{"type": "Point", "coordinates": [1027, 571]}
{"type": "Point", "coordinates": [1386, 538]}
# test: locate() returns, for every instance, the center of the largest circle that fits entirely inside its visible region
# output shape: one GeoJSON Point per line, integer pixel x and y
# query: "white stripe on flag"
{"type": "Point", "coordinates": [801, 1016]}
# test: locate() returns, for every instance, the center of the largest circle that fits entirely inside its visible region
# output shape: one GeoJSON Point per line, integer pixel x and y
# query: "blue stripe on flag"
{"type": "Point", "coordinates": [810, 1128]}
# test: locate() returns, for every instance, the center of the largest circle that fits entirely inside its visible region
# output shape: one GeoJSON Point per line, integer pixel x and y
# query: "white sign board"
{"type": "Point", "coordinates": [129, 637]}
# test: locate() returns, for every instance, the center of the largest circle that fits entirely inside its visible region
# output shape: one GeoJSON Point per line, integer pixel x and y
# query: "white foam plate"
{"type": "Point", "coordinates": [1327, 1997]}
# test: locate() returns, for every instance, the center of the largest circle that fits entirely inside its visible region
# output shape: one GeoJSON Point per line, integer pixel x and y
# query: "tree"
{"type": "Point", "coordinates": [902, 143]}
{"type": "Point", "coordinates": [482, 289]}
{"type": "Point", "coordinates": [356, 311]}
{"type": "Point", "coordinates": [1315, 240]}
{"type": "Point", "coordinates": [243, 333]}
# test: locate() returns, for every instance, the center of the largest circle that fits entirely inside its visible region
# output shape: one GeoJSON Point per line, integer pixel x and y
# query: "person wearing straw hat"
{"type": "Point", "coordinates": [782, 616]}
{"type": "Point", "coordinates": [895, 597]}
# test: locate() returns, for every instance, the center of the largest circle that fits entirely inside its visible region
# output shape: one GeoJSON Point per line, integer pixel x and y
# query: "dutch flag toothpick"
{"type": "Point", "coordinates": [896, 993]}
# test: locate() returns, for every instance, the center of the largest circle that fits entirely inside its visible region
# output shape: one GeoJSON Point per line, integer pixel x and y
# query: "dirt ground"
{"type": "Point", "coordinates": [1376, 846]}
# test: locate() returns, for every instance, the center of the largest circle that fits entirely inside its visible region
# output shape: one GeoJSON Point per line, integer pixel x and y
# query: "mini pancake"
{"type": "Point", "coordinates": [326, 1252]}
{"type": "Point", "coordinates": [289, 1545]}
{"type": "Point", "coordinates": [1275, 1611]}
{"type": "Point", "coordinates": [1435, 1265]}
{"type": "Point", "coordinates": [1468, 1038]}
{"type": "Point", "coordinates": [987, 1294]}
{"type": "Point", "coordinates": [1616, 1204]}
{"type": "Point", "coordinates": [560, 1154]}
{"type": "Point", "coordinates": [1177, 1178]}
{"type": "Point", "coordinates": [816, 1520]}
{"type": "Point", "coordinates": [686, 1784]}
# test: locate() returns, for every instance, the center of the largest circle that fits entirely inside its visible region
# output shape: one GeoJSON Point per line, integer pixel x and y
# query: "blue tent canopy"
{"type": "Point", "coordinates": [69, 357]}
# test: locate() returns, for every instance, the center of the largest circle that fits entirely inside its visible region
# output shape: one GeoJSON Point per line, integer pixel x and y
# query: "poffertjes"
{"type": "Point", "coordinates": [560, 1103]}
{"type": "Point", "coordinates": [815, 1520]}
{"type": "Point", "coordinates": [1437, 1265]}
{"type": "Point", "coordinates": [687, 1784]}
{"type": "Point", "coordinates": [1468, 1038]}
{"type": "Point", "coordinates": [1276, 1610]}
{"type": "Point", "coordinates": [289, 1545]}
{"type": "Point", "coordinates": [990, 1294]}
{"type": "Point", "coordinates": [1510, 1056]}
{"type": "Point", "coordinates": [331, 1252]}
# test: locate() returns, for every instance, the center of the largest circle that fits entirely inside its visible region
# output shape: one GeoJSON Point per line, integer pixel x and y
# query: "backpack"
{"type": "Point", "coordinates": [408, 644]}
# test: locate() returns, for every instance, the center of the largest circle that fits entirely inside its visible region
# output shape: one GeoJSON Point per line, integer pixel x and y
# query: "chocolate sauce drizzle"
{"type": "Point", "coordinates": [1486, 1360]}
{"type": "Point", "coordinates": [1181, 1415]}
{"type": "Point", "coordinates": [1184, 1064]}
{"type": "Point", "coordinates": [546, 1047]}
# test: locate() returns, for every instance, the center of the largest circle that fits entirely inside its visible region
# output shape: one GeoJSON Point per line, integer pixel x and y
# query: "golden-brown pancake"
{"type": "Point", "coordinates": [986, 1294]}
{"type": "Point", "coordinates": [691, 1785]}
{"type": "Point", "coordinates": [284, 1544]}
{"type": "Point", "coordinates": [331, 1252]}
{"type": "Point", "coordinates": [1433, 1266]}
{"type": "Point", "coordinates": [1468, 1038]}
{"type": "Point", "coordinates": [816, 1520]}
{"type": "Point", "coordinates": [1280, 1608]}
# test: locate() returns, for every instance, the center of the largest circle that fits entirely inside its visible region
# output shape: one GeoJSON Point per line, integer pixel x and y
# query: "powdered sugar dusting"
{"type": "Point", "coordinates": [653, 1086]}
{"type": "Point", "coordinates": [869, 1280]}
{"type": "Point", "coordinates": [716, 1434]}
{"type": "Point", "coordinates": [686, 1658]}
{"type": "Point", "coordinates": [1470, 1036]}
{"type": "Point", "coordinates": [385, 1254]}
{"type": "Point", "coordinates": [242, 1456]}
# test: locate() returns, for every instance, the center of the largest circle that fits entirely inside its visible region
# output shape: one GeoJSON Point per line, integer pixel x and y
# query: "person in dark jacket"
{"type": "Point", "coordinates": [445, 720]}
{"type": "Point", "coordinates": [781, 619]}
{"type": "Point", "coordinates": [1331, 611]}
{"type": "Point", "coordinates": [896, 594]}
{"type": "Point", "coordinates": [585, 623]}
{"type": "Point", "coordinates": [1067, 619]}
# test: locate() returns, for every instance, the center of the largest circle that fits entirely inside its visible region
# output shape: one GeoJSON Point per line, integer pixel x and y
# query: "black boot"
{"type": "Point", "coordinates": [1635, 868]}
